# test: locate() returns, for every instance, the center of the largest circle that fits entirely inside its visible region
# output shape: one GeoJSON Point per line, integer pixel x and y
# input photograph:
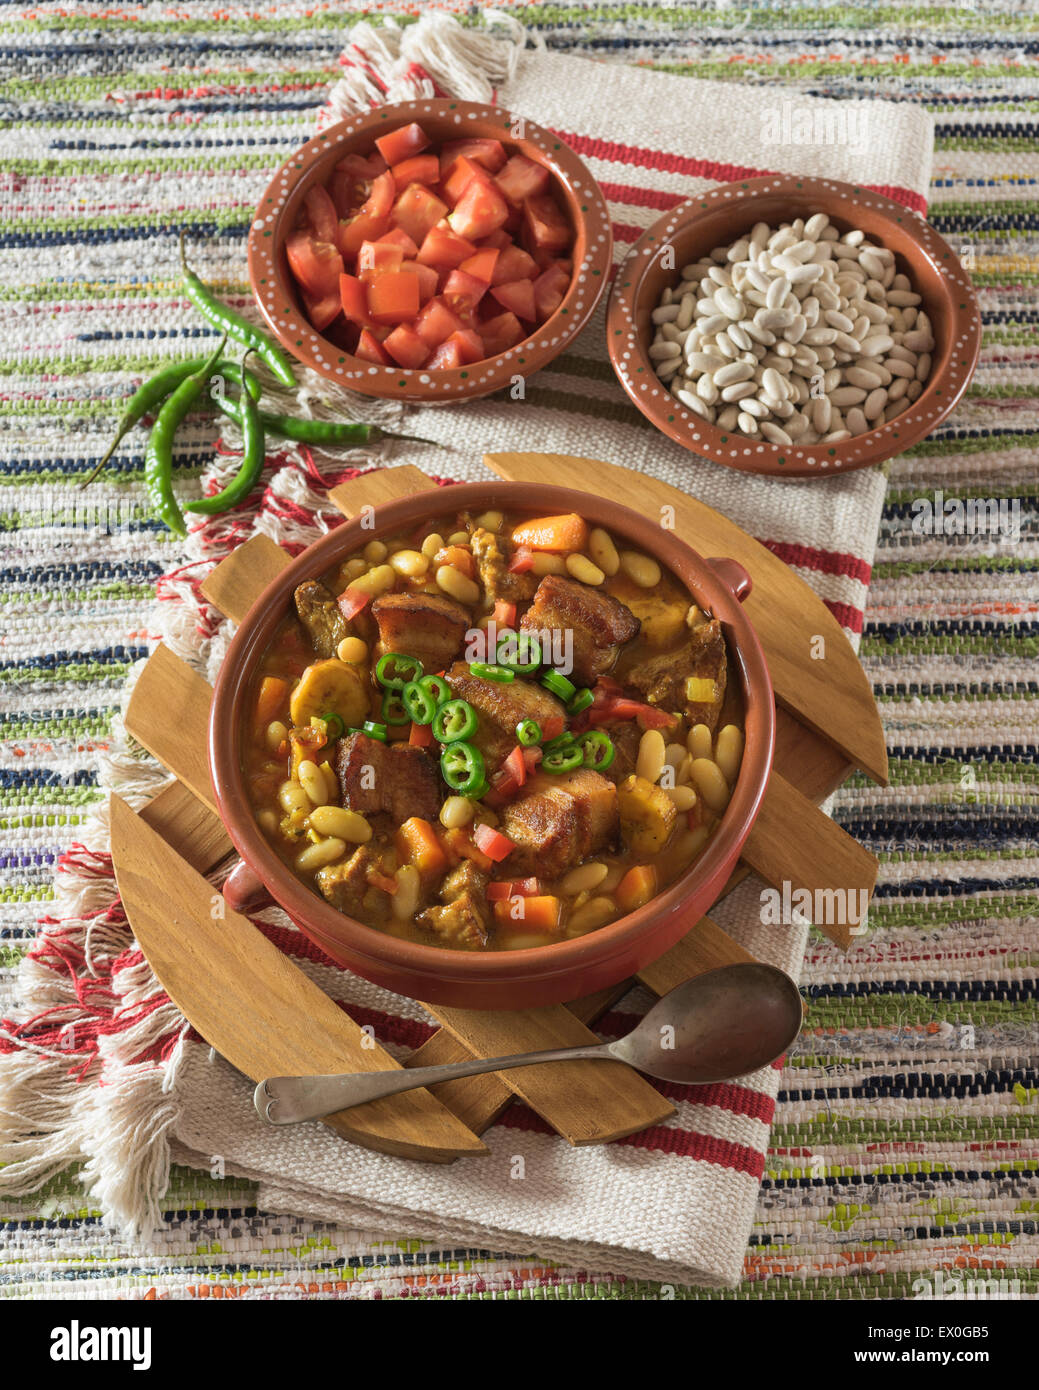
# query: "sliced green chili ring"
{"type": "Point", "coordinates": [395, 670]}
{"type": "Point", "coordinates": [437, 687]}
{"type": "Point", "coordinates": [487, 672]}
{"type": "Point", "coordinates": [563, 740]}
{"type": "Point", "coordinates": [374, 730]}
{"type": "Point", "coordinates": [528, 732]}
{"type": "Point", "coordinates": [419, 702]}
{"type": "Point", "coordinates": [559, 685]}
{"type": "Point", "coordinates": [454, 721]}
{"type": "Point", "coordinates": [562, 760]}
{"type": "Point", "coordinates": [335, 724]}
{"type": "Point", "coordinates": [581, 701]}
{"type": "Point", "coordinates": [597, 750]}
{"type": "Point", "coordinates": [463, 769]}
{"type": "Point", "coordinates": [393, 710]}
{"type": "Point", "coordinates": [527, 644]}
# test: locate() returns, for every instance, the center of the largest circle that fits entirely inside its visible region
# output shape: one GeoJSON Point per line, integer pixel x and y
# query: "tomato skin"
{"type": "Point", "coordinates": [322, 213]}
{"type": "Point", "coordinates": [518, 297]}
{"type": "Point", "coordinates": [393, 297]}
{"type": "Point", "coordinates": [550, 290]}
{"type": "Point", "coordinates": [357, 230]}
{"type": "Point", "coordinates": [447, 355]}
{"type": "Point", "coordinates": [444, 250]}
{"type": "Point", "coordinates": [436, 323]}
{"type": "Point", "coordinates": [369, 349]}
{"type": "Point", "coordinates": [545, 223]}
{"type": "Point", "coordinates": [489, 153]}
{"type": "Point", "coordinates": [317, 265]}
{"type": "Point", "coordinates": [360, 168]}
{"type": "Point", "coordinates": [321, 312]}
{"type": "Point", "coordinates": [401, 144]}
{"type": "Point", "coordinates": [513, 264]}
{"type": "Point", "coordinates": [501, 333]}
{"type": "Point", "coordinates": [480, 211]}
{"type": "Point", "coordinates": [522, 178]}
{"type": "Point", "coordinates": [418, 211]}
{"type": "Point", "coordinates": [353, 299]}
{"type": "Point", "coordinates": [405, 347]}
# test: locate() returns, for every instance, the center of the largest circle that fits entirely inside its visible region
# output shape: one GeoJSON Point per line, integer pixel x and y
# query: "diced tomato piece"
{"type": "Point", "coordinates": [361, 167]}
{"type": "Point", "coordinates": [353, 299]}
{"type": "Point", "coordinates": [481, 266]}
{"type": "Point", "coordinates": [513, 264]}
{"type": "Point", "coordinates": [427, 279]}
{"type": "Point", "coordinates": [500, 241]}
{"type": "Point", "coordinates": [347, 194]}
{"type": "Point", "coordinates": [514, 765]}
{"type": "Point", "coordinates": [358, 230]}
{"type": "Point", "coordinates": [321, 312]}
{"type": "Point", "coordinates": [406, 347]}
{"type": "Point", "coordinates": [436, 323]}
{"type": "Point", "coordinates": [521, 563]}
{"type": "Point", "coordinates": [418, 211]}
{"type": "Point", "coordinates": [522, 178]}
{"type": "Point", "coordinates": [393, 297]}
{"type": "Point", "coordinates": [380, 199]}
{"type": "Point", "coordinates": [447, 355]}
{"type": "Point", "coordinates": [377, 257]}
{"type": "Point", "coordinates": [552, 727]}
{"type": "Point", "coordinates": [443, 249]}
{"type": "Point", "coordinates": [421, 168]}
{"type": "Point", "coordinates": [317, 265]}
{"type": "Point", "coordinates": [421, 735]}
{"type": "Point", "coordinates": [550, 290]}
{"type": "Point", "coordinates": [401, 144]}
{"type": "Point", "coordinates": [461, 176]}
{"type": "Point", "coordinates": [480, 211]}
{"type": "Point", "coordinates": [461, 844]}
{"type": "Point", "coordinates": [399, 237]}
{"type": "Point", "coordinates": [513, 888]}
{"type": "Point", "coordinates": [351, 601]}
{"type": "Point", "coordinates": [547, 226]}
{"type": "Point", "coordinates": [501, 333]}
{"type": "Point", "coordinates": [344, 334]}
{"type": "Point", "coordinates": [531, 756]}
{"type": "Point", "coordinates": [463, 292]}
{"type": "Point", "coordinates": [519, 297]}
{"type": "Point", "coordinates": [504, 613]}
{"type": "Point", "coordinates": [470, 345]}
{"type": "Point", "coordinates": [493, 843]}
{"type": "Point", "coordinates": [369, 349]}
{"type": "Point", "coordinates": [490, 153]}
{"type": "Point", "coordinates": [322, 213]}
{"type": "Point", "coordinates": [647, 716]}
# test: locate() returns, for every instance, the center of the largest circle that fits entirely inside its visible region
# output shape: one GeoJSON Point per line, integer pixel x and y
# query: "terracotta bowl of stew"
{"type": "Point", "coordinates": [571, 185]}
{"type": "Point", "coordinates": [564, 969]}
{"type": "Point", "coordinates": [720, 217]}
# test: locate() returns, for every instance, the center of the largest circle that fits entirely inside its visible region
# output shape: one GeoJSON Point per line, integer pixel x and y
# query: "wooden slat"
{"type": "Point", "coordinates": [832, 696]}
{"type": "Point", "coordinates": [188, 827]}
{"type": "Point", "coordinates": [169, 714]}
{"type": "Point", "coordinates": [254, 1005]}
{"type": "Point", "coordinates": [705, 947]}
{"type": "Point", "coordinates": [385, 485]}
{"type": "Point", "coordinates": [793, 842]}
{"type": "Point", "coordinates": [237, 582]}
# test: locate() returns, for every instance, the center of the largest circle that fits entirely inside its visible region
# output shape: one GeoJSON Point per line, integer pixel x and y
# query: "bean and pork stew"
{"type": "Point", "coordinates": [497, 735]}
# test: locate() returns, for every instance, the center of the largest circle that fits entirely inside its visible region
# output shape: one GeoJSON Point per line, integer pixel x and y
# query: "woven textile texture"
{"type": "Point", "coordinates": [879, 1172]}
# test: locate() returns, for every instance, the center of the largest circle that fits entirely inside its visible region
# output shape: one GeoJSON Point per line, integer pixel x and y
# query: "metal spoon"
{"type": "Point", "coordinates": [715, 1026]}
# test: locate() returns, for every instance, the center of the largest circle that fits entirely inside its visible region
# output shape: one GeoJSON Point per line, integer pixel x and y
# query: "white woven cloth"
{"type": "Point", "coordinates": [643, 1210]}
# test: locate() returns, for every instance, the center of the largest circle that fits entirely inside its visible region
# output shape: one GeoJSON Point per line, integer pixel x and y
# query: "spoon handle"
{"type": "Point", "coordinates": [288, 1100]}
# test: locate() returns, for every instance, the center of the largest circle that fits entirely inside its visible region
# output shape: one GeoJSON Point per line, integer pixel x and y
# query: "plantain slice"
{"type": "Point", "coordinates": [330, 685]}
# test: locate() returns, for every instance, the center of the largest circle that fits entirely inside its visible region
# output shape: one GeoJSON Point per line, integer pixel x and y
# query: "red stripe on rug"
{"type": "Point", "coordinates": [823, 561]}
{"type": "Point", "coordinates": [846, 615]}
{"type": "Point", "coordinates": [614, 152]}
{"type": "Point", "coordinates": [687, 1143]}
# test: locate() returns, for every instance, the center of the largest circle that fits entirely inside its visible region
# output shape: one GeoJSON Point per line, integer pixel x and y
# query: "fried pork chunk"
{"type": "Point", "coordinates": [394, 777]}
{"type": "Point", "coordinates": [499, 707]}
{"type": "Point", "coordinates": [493, 567]}
{"type": "Point", "coordinates": [320, 615]}
{"type": "Point", "coordinates": [690, 680]}
{"type": "Point", "coordinates": [599, 625]}
{"type": "Point", "coordinates": [560, 822]}
{"type": "Point", "coordinates": [429, 626]}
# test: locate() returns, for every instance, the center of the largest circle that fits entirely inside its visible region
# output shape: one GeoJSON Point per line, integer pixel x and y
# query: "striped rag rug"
{"type": "Point", "coordinates": [903, 1141]}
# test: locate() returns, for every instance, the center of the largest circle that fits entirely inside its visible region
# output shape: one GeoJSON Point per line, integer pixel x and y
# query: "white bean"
{"type": "Point", "coordinates": [457, 585]}
{"type": "Point", "coordinates": [404, 903]}
{"type": "Point", "coordinates": [583, 879]}
{"type": "Point", "coordinates": [317, 856]}
{"type": "Point", "coordinates": [728, 751]}
{"type": "Point", "coordinates": [640, 568]}
{"type": "Point", "coordinates": [346, 825]}
{"type": "Point", "coordinates": [710, 783]}
{"type": "Point", "coordinates": [603, 551]}
{"type": "Point", "coordinates": [312, 780]}
{"type": "Point", "coordinates": [651, 756]}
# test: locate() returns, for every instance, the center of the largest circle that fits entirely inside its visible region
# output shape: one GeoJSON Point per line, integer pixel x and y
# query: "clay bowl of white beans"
{"type": "Point", "coordinates": [793, 326]}
{"type": "Point", "coordinates": [571, 966]}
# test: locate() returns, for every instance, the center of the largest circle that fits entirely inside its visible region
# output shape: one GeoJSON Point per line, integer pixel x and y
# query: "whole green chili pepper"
{"type": "Point", "coordinates": [338, 433]}
{"type": "Point", "coordinates": [158, 458]}
{"type": "Point", "coordinates": [154, 391]}
{"type": "Point", "coordinates": [241, 330]}
{"type": "Point", "coordinates": [254, 455]}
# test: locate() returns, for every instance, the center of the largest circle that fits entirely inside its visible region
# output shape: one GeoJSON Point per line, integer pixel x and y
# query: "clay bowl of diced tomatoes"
{"type": "Point", "coordinates": [430, 251]}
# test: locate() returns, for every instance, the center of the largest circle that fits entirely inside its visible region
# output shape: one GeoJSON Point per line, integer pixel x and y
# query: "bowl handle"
{"type": "Point", "coordinates": [244, 891]}
{"type": "Point", "coordinates": [732, 575]}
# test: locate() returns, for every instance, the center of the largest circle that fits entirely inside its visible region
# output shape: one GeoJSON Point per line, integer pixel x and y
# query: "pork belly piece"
{"type": "Point", "coordinates": [600, 625]}
{"type": "Point", "coordinates": [702, 659]}
{"type": "Point", "coordinates": [320, 615]}
{"type": "Point", "coordinates": [463, 924]}
{"type": "Point", "coordinates": [467, 878]}
{"type": "Point", "coordinates": [429, 626]}
{"type": "Point", "coordinates": [560, 822]}
{"type": "Point", "coordinates": [492, 564]}
{"type": "Point", "coordinates": [402, 780]}
{"type": "Point", "coordinates": [499, 707]}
